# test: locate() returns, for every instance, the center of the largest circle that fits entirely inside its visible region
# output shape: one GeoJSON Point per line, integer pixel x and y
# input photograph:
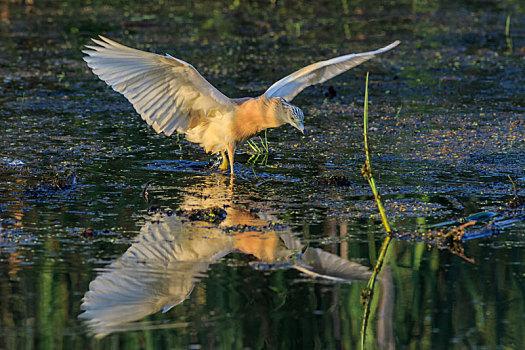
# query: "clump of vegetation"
{"type": "Point", "coordinates": [49, 187]}
{"type": "Point", "coordinates": [451, 234]}
{"type": "Point", "coordinates": [263, 148]}
{"type": "Point", "coordinates": [259, 149]}
{"type": "Point", "coordinates": [334, 181]}
{"type": "Point", "coordinates": [214, 215]}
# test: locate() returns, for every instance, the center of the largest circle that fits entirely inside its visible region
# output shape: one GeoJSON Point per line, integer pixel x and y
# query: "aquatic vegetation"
{"type": "Point", "coordinates": [214, 215]}
{"type": "Point", "coordinates": [367, 168]}
{"type": "Point", "coordinates": [50, 187]}
{"type": "Point", "coordinates": [258, 151]}
{"type": "Point", "coordinates": [334, 180]}
{"type": "Point", "coordinates": [264, 148]}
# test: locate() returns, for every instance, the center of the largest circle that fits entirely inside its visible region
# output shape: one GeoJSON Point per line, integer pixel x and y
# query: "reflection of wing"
{"type": "Point", "coordinates": [312, 261]}
{"type": "Point", "coordinates": [318, 263]}
{"type": "Point", "coordinates": [317, 73]}
{"type": "Point", "coordinates": [156, 272]}
{"type": "Point", "coordinates": [167, 92]}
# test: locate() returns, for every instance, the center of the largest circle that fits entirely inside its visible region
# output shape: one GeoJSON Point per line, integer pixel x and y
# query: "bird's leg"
{"type": "Point", "coordinates": [231, 153]}
{"type": "Point", "coordinates": [224, 164]}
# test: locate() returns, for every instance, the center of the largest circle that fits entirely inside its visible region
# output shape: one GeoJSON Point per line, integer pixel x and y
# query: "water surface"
{"type": "Point", "coordinates": [285, 255]}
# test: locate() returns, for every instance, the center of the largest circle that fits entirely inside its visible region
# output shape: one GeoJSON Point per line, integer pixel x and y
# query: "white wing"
{"type": "Point", "coordinates": [317, 73]}
{"type": "Point", "coordinates": [168, 93]}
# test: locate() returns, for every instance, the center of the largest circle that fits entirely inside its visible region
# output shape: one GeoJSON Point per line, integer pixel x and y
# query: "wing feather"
{"type": "Point", "coordinates": [164, 90]}
{"type": "Point", "coordinates": [317, 73]}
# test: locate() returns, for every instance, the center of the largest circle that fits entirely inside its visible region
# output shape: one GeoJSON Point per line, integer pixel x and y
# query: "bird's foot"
{"type": "Point", "coordinates": [224, 164]}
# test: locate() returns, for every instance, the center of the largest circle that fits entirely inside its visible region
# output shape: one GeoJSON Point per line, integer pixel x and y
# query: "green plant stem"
{"type": "Point", "coordinates": [367, 168]}
{"type": "Point", "coordinates": [264, 148]}
{"type": "Point", "coordinates": [507, 34]}
{"type": "Point", "coordinates": [368, 292]}
{"type": "Point", "coordinates": [254, 147]}
{"type": "Point", "coordinates": [22, 103]}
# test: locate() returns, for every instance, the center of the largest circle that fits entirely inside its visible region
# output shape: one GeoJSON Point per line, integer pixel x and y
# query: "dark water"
{"type": "Point", "coordinates": [270, 266]}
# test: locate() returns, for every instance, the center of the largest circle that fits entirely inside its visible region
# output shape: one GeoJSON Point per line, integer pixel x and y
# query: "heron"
{"type": "Point", "coordinates": [172, 96]}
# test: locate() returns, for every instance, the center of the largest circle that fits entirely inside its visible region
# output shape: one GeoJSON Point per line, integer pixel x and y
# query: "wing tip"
{"type": "Point", "coordinates": [104, 42]}
{"type": "Point", "coordinates": [391, 46]}
{"type": "Point", "coordinates": [395, 43]}
{"type": "Point", "coordinates": [108, 41]}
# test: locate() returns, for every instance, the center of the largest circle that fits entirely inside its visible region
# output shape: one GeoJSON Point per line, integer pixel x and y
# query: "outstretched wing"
{"type": "Point", "coordinates": [168, 93]}
{"type": "Point", "coordinates": [317, 73]}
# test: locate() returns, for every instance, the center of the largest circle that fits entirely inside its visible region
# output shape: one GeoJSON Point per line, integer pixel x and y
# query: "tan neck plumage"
{"type": "Point", "coordinates": [254, 115]}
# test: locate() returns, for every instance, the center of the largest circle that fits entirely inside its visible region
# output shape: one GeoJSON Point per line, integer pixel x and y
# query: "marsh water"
{"type": "Point", "coordinates": [115, 237]}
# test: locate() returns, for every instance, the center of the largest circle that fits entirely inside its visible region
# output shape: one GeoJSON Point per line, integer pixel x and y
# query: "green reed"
{"type": "Point", "coordinates": [366, 170]}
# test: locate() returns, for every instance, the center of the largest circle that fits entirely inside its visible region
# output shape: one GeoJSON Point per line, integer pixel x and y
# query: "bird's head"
{"type": "Point", "coordinates": [291, 114]}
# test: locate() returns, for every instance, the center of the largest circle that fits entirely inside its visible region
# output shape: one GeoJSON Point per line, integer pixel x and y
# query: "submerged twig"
{"type": "Point", "coordinates": [145, 191]}
{"type": "Point", "coordinates": [516, 201]}
{"type": "Point", "coordinates": [22, 102]}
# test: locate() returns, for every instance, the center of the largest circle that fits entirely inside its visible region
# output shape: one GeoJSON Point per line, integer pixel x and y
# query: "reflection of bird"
{"type": "Point", "coordinates": [171, 95]}
{"type": "Point", "coordinates": [161, 267]}
{"type": "Point", "coordinates": [156, 273]}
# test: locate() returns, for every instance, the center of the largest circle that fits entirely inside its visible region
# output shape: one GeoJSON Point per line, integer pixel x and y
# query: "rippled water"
{"type": "Point", "coordinates": [279, 256]}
